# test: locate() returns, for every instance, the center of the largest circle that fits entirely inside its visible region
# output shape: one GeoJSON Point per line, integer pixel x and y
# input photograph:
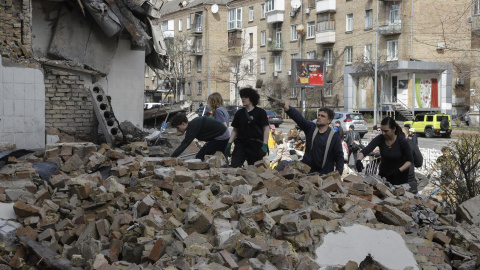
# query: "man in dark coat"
{"type": "Point", "coordinates": [318, 136]}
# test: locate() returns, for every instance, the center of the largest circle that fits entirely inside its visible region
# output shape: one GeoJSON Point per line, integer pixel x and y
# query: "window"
{"type": "Point", "coordinates": [278, 38]}
{"type": "Point", "coordinates": [199, 88]}
{"type": "Point", "coordinates": [180, 25]}
{"type": "Point", "coordinates": [310, 29]}
{"type": "Point", "coordinates": [294, 56]}
{"type": "Point", "coordinates": [165, 26]}
{"type": "Point", "coordinates": [236, 67]}
{"type": "Point", "coordinates": [328, 90]}
{"type": "Point", "coordinates": [250, 36]}
{"type": "Point", "coordinates": [269, 5]}
{"type": "Point", "coordinates": [348, 54]}
{"type": "Point", "coordinates": [293, 32]}
{"type": "Point", "coordinates": [367, 56]}
{"type": "Point", "coordinates": [326, 21]}
{"type": "Point", "coordinates": [311, 3]}
{"type": "Point", "coordinates": [311, 55]}
{"type": "Point", "coordinates": [278, 63]}
{"type": "Point", "coordinates": [263, 12]}
{"type": "Point", "coordinates": [349, 27]}
{"type": "Point", "coordinates": [262, 65]}
{"type": "Point", "coordinates": [188, 22]}
{"type": "Point", "coordinates": [393, 16]}
{"type": "Point", "coordinates": [198, 22]}
{"type": "Point", "coordinates": [263, 37]}
{"type": "Point", "coordinates": [294, 92]}
{"type": "Point", "coordinates": [250, 67]}
{"type": "Point", "coordinates": [146, 71]}
{"type": "Point", "coordinates": [147, 87]}
{"type": "Point", "coordinates": [476, 7]}
{"type": "Point", "coordinates": [199, 64]}
{"type": "Point", "coordinates": [368, 19]}
{"type": "Point", "coordinates": [189, 89]}
{"type": "Point", "coordinates": [328, 57]}
{"type": "Point", "coordinates": [234, 18]}
{"type": "Point", "coordinates": [392, 50]}
{"type": "Point", "coordinates": [198, 45]}
{"type": "Point", "coordinates": [250, 14]}
{"type": "Point", "coordinates": [189, 66]}
{"type": "Point", "coordinates": [180, 67]}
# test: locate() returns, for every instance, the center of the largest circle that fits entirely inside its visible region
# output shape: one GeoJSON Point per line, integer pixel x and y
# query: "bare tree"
{"type": "Point", "coordinates": [238, 66]}
{"type": "Point", "coordinates": [463, 168]}
{"type": "Point", "coordinates": [179, 50]}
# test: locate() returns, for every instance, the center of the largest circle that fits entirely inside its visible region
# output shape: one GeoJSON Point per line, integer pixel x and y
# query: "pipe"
{"type": "Point", "coordinates": [411, 33]}
{"type": "Point", "coordinates": [375, 112]}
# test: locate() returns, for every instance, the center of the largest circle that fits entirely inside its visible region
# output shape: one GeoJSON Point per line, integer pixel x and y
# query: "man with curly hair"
{"type": "Point", "coordinates": [250, 131]}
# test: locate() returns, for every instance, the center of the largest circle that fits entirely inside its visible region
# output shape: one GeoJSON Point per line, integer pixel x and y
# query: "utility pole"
{"type": "Point", "coordinates": [375, 111]}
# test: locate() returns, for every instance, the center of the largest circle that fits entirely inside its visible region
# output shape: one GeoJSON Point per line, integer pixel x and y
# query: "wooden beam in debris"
{"type": "Point", "coordinates": [54, 260]}
{"type": "Point", "coordinates": [130, 22]}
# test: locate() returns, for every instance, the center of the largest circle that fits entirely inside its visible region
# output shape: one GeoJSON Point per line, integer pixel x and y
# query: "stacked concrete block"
{"type": "Point", "coordinates": [104, 113]}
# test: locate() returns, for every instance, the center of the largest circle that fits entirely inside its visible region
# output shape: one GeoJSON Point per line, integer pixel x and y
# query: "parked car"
{"type": "Point", "coordinates": [431, 124]}
{"type": "Point", "coordinates": [350, 118]}
{"type": "Point", "coordinates": [232, 110]}
{"type": "Point", "coordinates": [274, 118]}
{"type": "Point", "coordinates": [200, 111]}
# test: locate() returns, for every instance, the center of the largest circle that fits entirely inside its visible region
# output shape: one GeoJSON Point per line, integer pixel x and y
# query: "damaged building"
{"type": "Point", "coordinates": [52, 52]}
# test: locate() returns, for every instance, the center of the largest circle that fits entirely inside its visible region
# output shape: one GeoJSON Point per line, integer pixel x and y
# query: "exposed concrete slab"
{"type": "Point", "coordinates": [356, 242]}
{"type": "Point", "coordinates": [71, 36]}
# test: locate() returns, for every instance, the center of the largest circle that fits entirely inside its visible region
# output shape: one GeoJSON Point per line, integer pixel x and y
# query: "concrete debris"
{"type": "Point", "coordinates": [119, 208]}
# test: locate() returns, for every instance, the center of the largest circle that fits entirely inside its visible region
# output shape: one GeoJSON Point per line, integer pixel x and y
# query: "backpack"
{"type": "Point", "coordinates": [417, 155]}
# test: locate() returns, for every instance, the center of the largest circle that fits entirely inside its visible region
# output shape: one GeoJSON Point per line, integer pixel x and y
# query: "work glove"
{"type": "Point", "coordinates": [265, 148]}
{"type": "Point", "coordinates": [227, 149]}
{"type": "Point", "coordinates": [359, 165]}
{"type": "Point", "coordinates": [276, 102]}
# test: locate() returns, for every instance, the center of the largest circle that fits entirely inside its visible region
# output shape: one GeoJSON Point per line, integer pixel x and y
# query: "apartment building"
{"type": "Point", "coordinates": [426, 51]}
{"type": "Point", "coordinates": [196, 37]}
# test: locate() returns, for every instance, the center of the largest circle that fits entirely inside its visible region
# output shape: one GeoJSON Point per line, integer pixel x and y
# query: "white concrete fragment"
{"type": "Point", "coordinates": [7, 212]}
{"type": "Point", "coordinates": [356, 242]}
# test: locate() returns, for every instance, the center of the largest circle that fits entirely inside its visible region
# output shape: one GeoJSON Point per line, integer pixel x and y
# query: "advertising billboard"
{"type": "Point", "coordinates": [308, 73]}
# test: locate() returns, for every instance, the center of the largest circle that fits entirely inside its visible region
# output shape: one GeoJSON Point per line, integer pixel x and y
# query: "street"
{"type": "Point", "coordinates": [434, 143]}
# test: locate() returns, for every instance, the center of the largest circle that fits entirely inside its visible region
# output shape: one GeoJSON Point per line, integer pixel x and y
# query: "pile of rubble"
{"type": "Point", "coordinates": [108, 208]}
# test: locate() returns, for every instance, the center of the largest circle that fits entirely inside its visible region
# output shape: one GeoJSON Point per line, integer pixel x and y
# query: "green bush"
{"type": "Point", "coordinates": [310, 114]}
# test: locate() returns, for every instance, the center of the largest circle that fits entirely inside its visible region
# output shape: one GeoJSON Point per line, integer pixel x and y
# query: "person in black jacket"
{"type": "Point", "coordinates": [201, 128]}
{"type": "Point", "coordinates": [317, 135]}
{"type": "Point", "coordinates": [354, 143]}
{"type": "Point", "coordinates": [250, 131]}
{"type": "Point", "coordinates": [396, 154]}
{"type": "Point", "coordinates": [340, 131]}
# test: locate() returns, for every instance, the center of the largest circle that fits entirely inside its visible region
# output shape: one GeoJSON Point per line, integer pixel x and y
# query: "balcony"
{"type": "Point", "coordinates": [235, 51]}
{"type": "Point", "coordinates": [476, 22]}
{"type": "Point", "coordinates": [275, 10]}
{"type": "Point", "coordinates": [275, 16]}
{"type": "Point", "coordinates": [197, 51]}
{"type": "Point", "coordinates": [391, 28]}
{"type": "Point", "coordinates": [275, 46]}
{"type": "Point", "coordinates": [197, 30]}
{"type": "Point", "coordinates": [326, 5]}
{"type": "Point", "coordinates": [325, 37]}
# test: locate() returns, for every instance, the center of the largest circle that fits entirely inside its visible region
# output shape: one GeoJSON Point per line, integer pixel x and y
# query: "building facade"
{"type": "Point", "coordinates": [425, 51]}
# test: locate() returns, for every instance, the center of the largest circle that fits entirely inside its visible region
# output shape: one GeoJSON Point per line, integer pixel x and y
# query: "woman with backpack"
{"type": "Point", "coordinates": [396, 154]}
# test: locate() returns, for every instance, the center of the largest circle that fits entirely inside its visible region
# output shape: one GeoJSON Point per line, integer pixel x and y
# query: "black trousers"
{"type": "Point", "coordinates": [211, 147]}
{"type": "Point", "coordinates": [249, 150]}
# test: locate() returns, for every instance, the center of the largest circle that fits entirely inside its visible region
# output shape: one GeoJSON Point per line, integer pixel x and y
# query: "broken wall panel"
{"type": "Point", "coordinates": [82, 41]}
{"type": "Point", "coordinates": [100, 50]}
{"type": "Point", "coordinates": [71, 36]}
